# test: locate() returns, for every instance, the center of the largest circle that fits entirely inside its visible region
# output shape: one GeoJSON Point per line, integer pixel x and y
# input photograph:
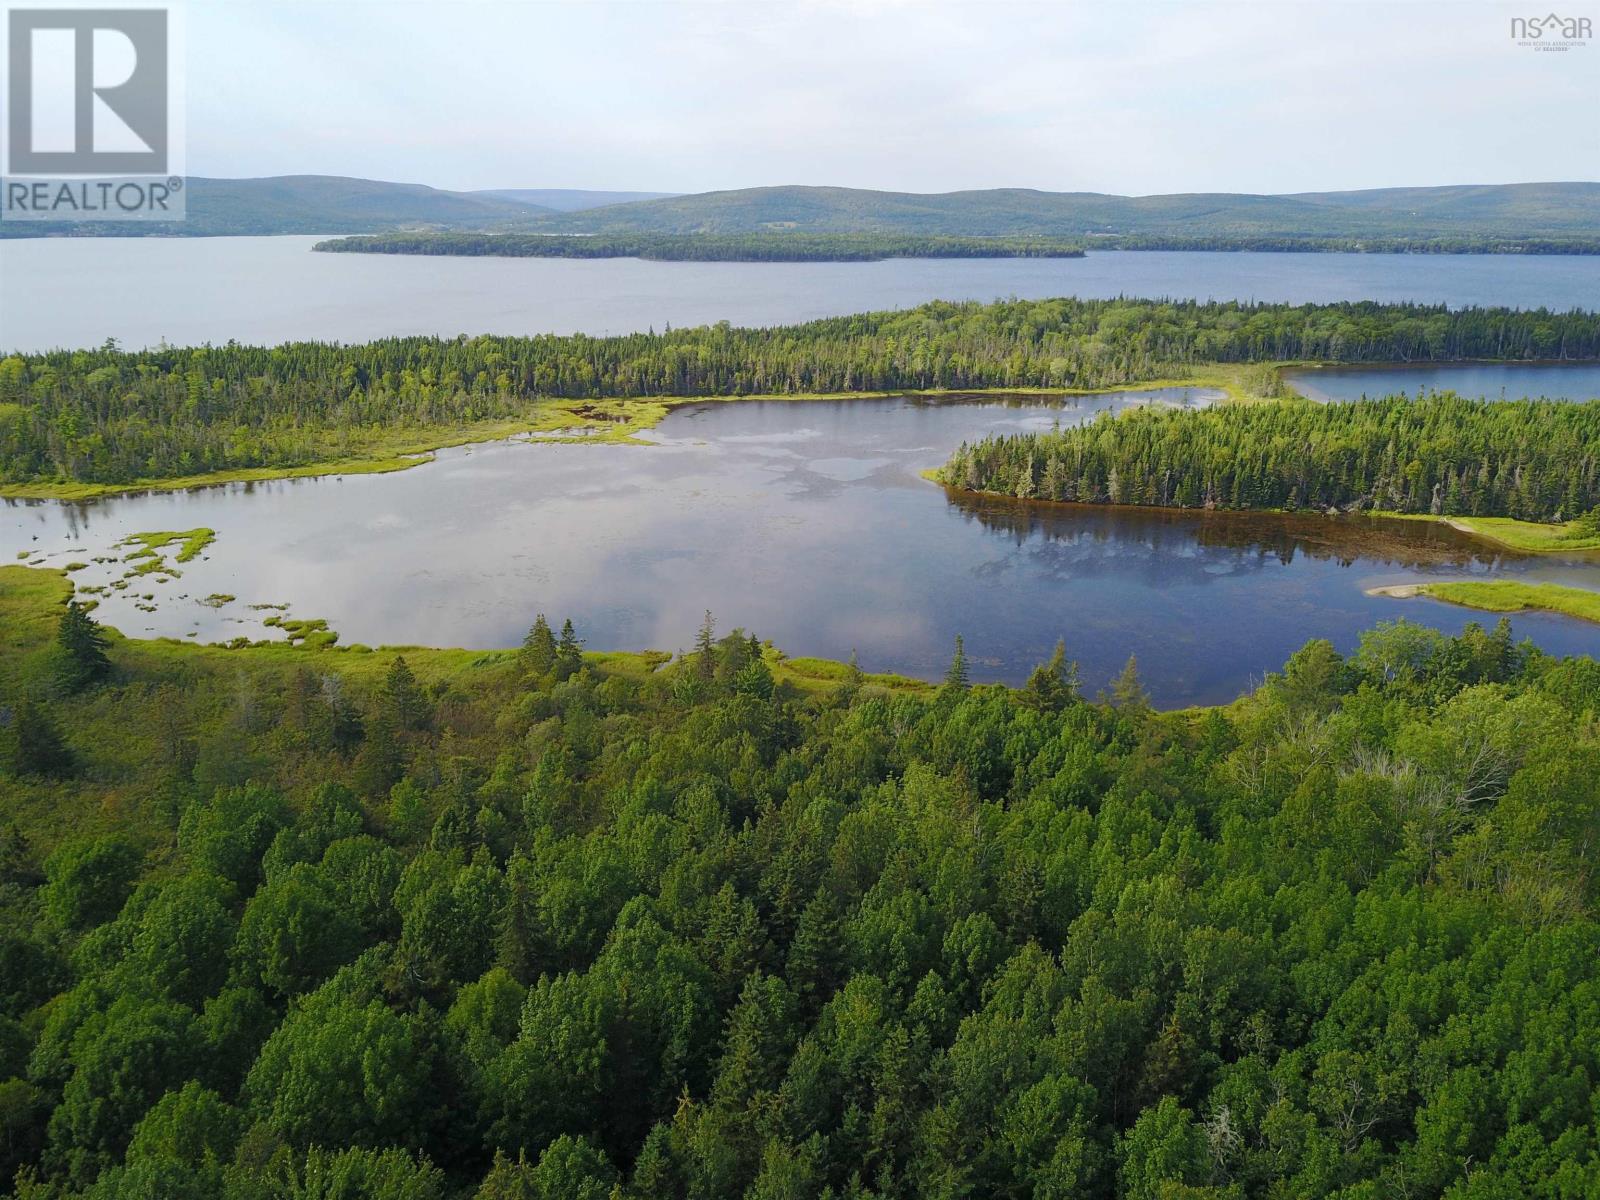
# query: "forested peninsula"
{"type": "Point", "coordinates": [284, 923]}
{"type": "Point", "coordinates": [1439, 454]}
{"type": "Point", "coordinates": [110, 417]}
{"type": "Point", "coordinates": [707, 247]}
{"type": "Point", "coordinates": [1294, 243]}
{"type": "Point", "coordinates": [874, 247]}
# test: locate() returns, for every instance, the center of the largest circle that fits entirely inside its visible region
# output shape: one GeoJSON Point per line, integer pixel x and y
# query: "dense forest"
{"type": "Point", "coordinates": [288, 924]}
{"type": "Point", "coordinates": [708, 247]}
{"type": "Point", "coordinates": [112, 416]}
{"type": "Point", "coordinates": [872, 247]}
{"type": "Point", "coordinates": [1533, 460]}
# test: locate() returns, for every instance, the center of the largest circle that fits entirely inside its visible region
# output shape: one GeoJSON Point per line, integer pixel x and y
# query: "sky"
{"type": "Point", "coordinates": [1065, 95]}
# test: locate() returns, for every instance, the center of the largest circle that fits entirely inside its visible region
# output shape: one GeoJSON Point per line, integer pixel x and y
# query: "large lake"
{"type": "Point", "coordinates": [77, 292]}
{"type": "Point", "coordinates": [805, 521]}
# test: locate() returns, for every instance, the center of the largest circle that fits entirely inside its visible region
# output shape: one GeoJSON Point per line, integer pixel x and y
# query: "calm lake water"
{"type": "Point", "coordinates": [79, 291]}
{"type": "Point", "coordinates": [1491, 381]}
{"type": "Point", "coordinates": [804, 521]}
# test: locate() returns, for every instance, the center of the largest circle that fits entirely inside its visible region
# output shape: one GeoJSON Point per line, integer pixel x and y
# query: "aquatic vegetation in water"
{"type": "Point", "coordinates": [312, 633]}
{"type": "Point", "coordinates": [190, 543]}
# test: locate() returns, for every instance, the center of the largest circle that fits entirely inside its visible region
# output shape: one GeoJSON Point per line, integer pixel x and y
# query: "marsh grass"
{"type": "Point", "coordinates": [1509, 596]}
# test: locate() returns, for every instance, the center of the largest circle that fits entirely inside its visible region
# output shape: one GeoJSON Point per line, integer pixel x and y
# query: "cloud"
{"type": "Point", "coordinates": [899, 94]}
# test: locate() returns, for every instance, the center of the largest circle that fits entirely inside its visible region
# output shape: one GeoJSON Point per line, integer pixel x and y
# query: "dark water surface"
{"type": "Point", "coordinates": [1488, 381]}
{"type": "Point", "coordinates": [805, 521]}
{"type": "Point", "coordinates": [77, 292]}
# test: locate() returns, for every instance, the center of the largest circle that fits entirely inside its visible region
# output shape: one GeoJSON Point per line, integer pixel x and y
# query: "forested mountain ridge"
{"type": "Point", "coordinates": [284, 204]}
{"type": "Point", "coordinates": [111, 416]}
{"type": "Point", "coordinates": [1529, 460]}
{"type": "Point", "coordinates": [1487, 216]}
{"type": "Point", "coordinates": [282, 924]}
{"type": "Point", "coordinates": [570, 199]}
{"type": "Point", "coordinates": [1503, 210]}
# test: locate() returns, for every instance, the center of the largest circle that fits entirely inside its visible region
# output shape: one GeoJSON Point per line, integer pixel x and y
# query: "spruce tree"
{"type": "Point", "coordinates": [1052, 685]}
{"type": "Point", "coordinates": [957, 678]}
{"type": "Point", "coordinates": [403, 701]}
{"type": "Point", "coordinates": [539, 649]}
{"type": "Point", "coordinates": [81, 650]}
{"type": "Point", "coordinates": [33, 744]}
{"type": "Point", "coordinates": [1127, 690]}
{"type": "Point", "coordinates": [705, 648]}
{"type": "Point", "coordinates": [853, 675]}
{"type": "Point", "coordinates": [569, 653]}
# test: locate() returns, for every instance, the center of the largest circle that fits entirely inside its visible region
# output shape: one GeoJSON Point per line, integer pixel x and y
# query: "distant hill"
{"type": "Point", "coordinates": [336, 205]}
{"type": "Point", "coordinates": [1506, 210]}
{"type": "Point", "coordinates": [311, 204]}
{"type": "Point", "coordinates": [572, 199]}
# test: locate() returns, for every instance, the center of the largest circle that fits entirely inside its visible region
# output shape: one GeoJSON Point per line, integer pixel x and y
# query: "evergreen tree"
{"type": "Point", "coordinates": [705, 649]}
{"type": "Point", "coordinates": [1127, 690]}
{"type": "Point", "coordinates": [81, 650]}
{"type": "Point", "coordinates": [379, 764]}
{"type": "Point", "coordinates": [1053, 685]}
{"type": "Point", "coordinates": [569, 652]}
{"type": "Point", "coordinates": [539, 649]}
{"type": "Point", "coordinates": [755, 679]}
{"type": "Point", "coordinates": [403, 703]}
{"type": "Point", "coordinates": [956, 677]}
{"type": "Point", "coordinates": [33, 743]}
{"type": "Point", "coordinates": [853, 675]}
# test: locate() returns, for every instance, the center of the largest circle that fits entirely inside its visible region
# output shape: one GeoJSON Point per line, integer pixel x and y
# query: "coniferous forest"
{"type": "Point", "coordinates": [706, 247]}
{"type": "Point", "coordinates": [113, 416]}
{"type": "Point", "coordinates": [1526, 459]}
{"type": "Point", "coordinates": [292, 923]}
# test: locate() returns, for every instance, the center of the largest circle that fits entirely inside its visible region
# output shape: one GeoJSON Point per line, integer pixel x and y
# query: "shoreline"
{"type": "Point", "coordinates": [1504, 596]}
{"type": "Point", "coordinates": [610, 421]}
{"type": "Point", "coordinates": [1522, 537]}
{"type": "Point", "coordinates": [616, 420]}
{"type": "Point", "coordinates": [38, 593]}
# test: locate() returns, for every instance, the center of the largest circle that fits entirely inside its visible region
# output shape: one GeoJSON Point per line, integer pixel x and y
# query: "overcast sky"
{"type": "Point", "coordinates": [1292, 95]}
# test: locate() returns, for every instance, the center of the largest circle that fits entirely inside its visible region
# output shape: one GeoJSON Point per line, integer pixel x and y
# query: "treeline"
{"type": "Point", "coordinates": [528, 927]}
{"type": "Point", "coordinates": [872, 247]}
{"type": "Point", "coordinates": [1534, 460]}
{"type": "Point", "coordinates": [1271, 243]}
{"type": "Point", "coordinates": [113, 416]}
{"type": "Point", "coordinates": [708, 247]}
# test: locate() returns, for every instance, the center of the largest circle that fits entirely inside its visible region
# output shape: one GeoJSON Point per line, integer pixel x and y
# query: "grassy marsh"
{"type": "Point", "coordinates": [1504, 596]}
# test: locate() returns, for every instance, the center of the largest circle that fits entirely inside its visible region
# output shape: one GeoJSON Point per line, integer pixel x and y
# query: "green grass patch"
{"type": "Point", "coordinates": [312, 633]}
{"type": "Point", "coordinates": [1532, 537]}
{"type": "Point", "coordinates": [190, 543]}
{"type": "Point", "coordinates": [1506, 596]}
{"type": "Point", "coordinates": [808, 673]}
